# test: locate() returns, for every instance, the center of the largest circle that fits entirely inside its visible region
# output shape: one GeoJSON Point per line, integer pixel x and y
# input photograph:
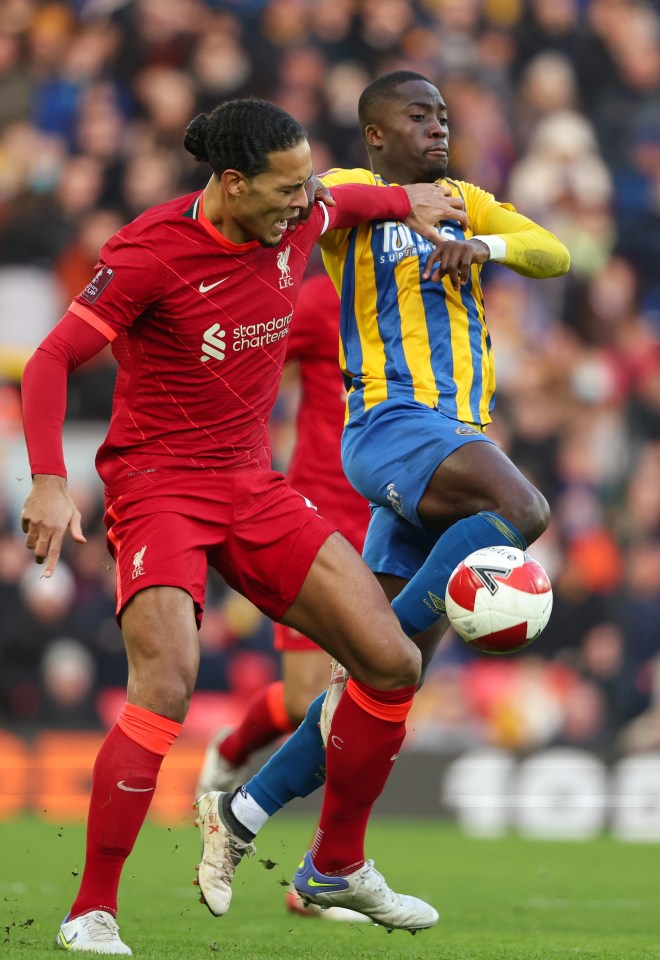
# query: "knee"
{"type": "Point", "coordinates": [537, 517]}
{"type": "Point", "coordinates": [400, 666]}
{"type": "Point", "coordinates": [166, 692]}
{"type": "Point", "coordinates": [529, 512]}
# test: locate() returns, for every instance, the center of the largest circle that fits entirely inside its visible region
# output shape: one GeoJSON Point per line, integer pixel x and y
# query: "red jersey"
{"type": "Point", "coordinates": [315, 467]}
{"type": "Point", "coordinates": [198, 326]}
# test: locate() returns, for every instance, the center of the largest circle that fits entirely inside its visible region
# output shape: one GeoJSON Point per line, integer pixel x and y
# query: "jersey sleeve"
{"type": "Point", "coordinates": [531, 250]}
{"type": "Point", "coordinates": [129, 277]}
{"type": "Point", "coordinates": [43, 389]}
{"type": "Point", "coordinates": [358, 203]}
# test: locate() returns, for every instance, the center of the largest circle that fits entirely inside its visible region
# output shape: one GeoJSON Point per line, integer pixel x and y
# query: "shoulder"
{"type": "Point", "coordinates": [337, 176]}
{"type": "Point", "coordinates": [476, 198]}
{"type": "Point", "coordinates": [156, 220]}
{"type": "Point", "coordinates": [144, 238]}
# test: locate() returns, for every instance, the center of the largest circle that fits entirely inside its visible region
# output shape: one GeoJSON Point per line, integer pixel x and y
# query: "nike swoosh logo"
{"type": "Point", "coordinates": [204, 287]}
{"type": "Point", "coordinates": [122, 786]}
{"type": "Point", "coordinates": [315, 883]}
{"type": "Point", "coordinates": [65, 942]}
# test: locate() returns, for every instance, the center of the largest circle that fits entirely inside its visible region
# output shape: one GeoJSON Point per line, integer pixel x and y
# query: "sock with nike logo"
{"type": "Point", "coordinates": [123, 784]}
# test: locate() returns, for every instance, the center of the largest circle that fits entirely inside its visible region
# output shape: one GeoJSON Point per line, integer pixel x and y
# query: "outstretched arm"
{"type": "Point", "coordinates": [530, 249]}
{"type": "Point", "coordinates": [508, 238]}
{"type": "Point", "coordinates": [49, 510]}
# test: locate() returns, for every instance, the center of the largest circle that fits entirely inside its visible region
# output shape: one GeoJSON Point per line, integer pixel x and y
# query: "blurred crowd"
{"type": "Point", "coordinates": [554, 105]}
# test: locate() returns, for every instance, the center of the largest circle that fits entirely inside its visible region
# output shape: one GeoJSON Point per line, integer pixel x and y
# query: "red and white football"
{"type": "Point", "coordinates": [499, 599]}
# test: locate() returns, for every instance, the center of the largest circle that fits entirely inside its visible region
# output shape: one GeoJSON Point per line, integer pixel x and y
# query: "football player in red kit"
{"type": "Point", "coordinates": [196, 297]}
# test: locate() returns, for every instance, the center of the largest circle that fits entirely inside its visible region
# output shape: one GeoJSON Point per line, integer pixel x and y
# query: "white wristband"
{"type": "Point", "coordinates": [496, 245]}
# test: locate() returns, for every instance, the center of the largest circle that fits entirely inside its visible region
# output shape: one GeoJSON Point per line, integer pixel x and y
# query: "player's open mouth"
{"type": "Point", "coordinates": [289, 224]}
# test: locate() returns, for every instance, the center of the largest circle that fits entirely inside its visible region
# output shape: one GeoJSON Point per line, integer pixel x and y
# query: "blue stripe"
{"type": "Point", "coordinates": [397, 372]}
{"type": "Point", "coordinates": [489, 347]}
{"type": "Point", "coordinates": [348, 330]}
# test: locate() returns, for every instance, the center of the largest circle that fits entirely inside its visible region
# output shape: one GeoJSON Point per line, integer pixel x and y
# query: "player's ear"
{"type": "Point", "coordinates": [234, 182]}
{"type": "Point", "coordinates": [373, 135]}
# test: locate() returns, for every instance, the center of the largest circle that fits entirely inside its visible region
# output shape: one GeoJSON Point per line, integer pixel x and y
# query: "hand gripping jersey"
{"type": "Point", "coordinates": [404, 337]}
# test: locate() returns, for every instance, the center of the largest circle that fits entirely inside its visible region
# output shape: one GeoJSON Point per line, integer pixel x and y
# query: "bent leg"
{"type": "Point", "coordinates": [296, 770]}
{"type": "Point", "coordinates": [428, 640]}
{"type": "Point", "coordinates": [273, 711]}
{"type": "Point", "coordinates": [497, 506]}
{"type": "Point", "coordinates": [342, 607]}
{"type": "Point", "coordinates": [476, 478]}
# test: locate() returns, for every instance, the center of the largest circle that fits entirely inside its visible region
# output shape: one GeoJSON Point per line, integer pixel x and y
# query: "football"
{"type": "Point", "coordinates": [498, 599]}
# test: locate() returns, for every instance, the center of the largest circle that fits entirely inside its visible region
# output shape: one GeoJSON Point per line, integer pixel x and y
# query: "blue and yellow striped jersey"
{"type": "Point", "coordinates": [402, 336]}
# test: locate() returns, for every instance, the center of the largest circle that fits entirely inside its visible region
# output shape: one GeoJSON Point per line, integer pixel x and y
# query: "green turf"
{"type": "Point", "coordinates": [505, 899]}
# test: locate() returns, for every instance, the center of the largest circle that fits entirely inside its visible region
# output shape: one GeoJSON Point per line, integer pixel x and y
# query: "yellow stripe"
{"type": "Point", "coordinates": [463, 373]}
{"type": "Point", "coordinates": [414, 329]}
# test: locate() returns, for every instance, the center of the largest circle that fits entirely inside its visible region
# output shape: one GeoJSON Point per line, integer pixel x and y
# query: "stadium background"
{"type": "Point", "coordinates": [555, 106]}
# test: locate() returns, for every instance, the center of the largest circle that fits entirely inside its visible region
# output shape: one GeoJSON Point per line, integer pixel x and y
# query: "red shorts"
{"type": "Point", "coordinates": [251, 526]}
{"type": "Point", "coordinates": [287, 638]}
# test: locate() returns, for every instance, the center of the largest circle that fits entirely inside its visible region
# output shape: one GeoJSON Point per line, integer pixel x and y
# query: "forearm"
{"type": "Point", "coordinates": [43, 395]}
{"type": "Point", "coordinates": [529, 249]}
{"type": "Point", "coordinates": [356, 203]}
{"type": "Point", "coordinates": [44, 389]}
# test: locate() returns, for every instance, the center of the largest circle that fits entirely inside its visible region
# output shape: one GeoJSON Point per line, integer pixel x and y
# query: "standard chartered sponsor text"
{"type": "Point", "coordinates": [260, 334]}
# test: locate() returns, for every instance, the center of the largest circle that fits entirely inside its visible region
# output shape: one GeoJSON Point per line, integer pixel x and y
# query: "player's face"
{"type": "Point", "coordinates": [271, 204]}
{"type": "Point", "coordinates": [411, 139]}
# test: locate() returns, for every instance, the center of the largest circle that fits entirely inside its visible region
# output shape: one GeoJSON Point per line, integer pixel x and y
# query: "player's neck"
{"type": "Point", "coordinates": [215, 211]}
{"type": "Point", "coordinates": [394, 176]}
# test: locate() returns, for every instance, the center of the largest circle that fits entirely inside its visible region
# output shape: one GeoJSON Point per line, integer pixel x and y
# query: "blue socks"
{"type": "Point", "coordinates": [296, 769]}
{"type": "Point", "coordinates": [422, 601]}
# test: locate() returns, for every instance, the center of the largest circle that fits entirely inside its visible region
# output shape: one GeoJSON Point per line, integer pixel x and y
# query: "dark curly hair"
{"type": "Point", "coordinates": [381, 92]}
{"type": "Point", "coordinates": [239, 135]}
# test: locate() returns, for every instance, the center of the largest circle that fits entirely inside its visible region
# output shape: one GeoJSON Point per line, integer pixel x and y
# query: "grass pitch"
{"type": "Point", "coordinates": [505, 899]}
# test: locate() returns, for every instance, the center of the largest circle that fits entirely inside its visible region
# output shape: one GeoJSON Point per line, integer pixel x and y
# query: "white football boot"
{"type": "Point", "coordinates": [222, 851]}
{"type": "Point", "coordinates": [94, 932]}
{"type": "Point", "coordinates": [366, 891]}
{"type": "Point", "coordinates": [217, 773]}
{"type": "Point", "coordinates": [295, 904]}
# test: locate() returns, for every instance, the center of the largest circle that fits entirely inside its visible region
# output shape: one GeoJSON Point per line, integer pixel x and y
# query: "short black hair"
{"type": "Point", "coordinates": [239, 135]}
{"type": "Point", "coordinates": [382, 91]}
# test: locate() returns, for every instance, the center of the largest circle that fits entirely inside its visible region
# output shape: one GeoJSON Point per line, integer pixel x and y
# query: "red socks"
{"type": "Point", "coordinates": [123, 784]}
{"type": "Point", "coordinates": [265, 720]}
{"type": "Point", "coordinates": [368, 728]}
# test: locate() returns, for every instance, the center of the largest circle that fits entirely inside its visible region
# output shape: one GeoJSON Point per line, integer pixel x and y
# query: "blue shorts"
{"type": "Point", "coordinates": [394, 546]}
{"type": "Point", "coordinates": [391, 451]}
